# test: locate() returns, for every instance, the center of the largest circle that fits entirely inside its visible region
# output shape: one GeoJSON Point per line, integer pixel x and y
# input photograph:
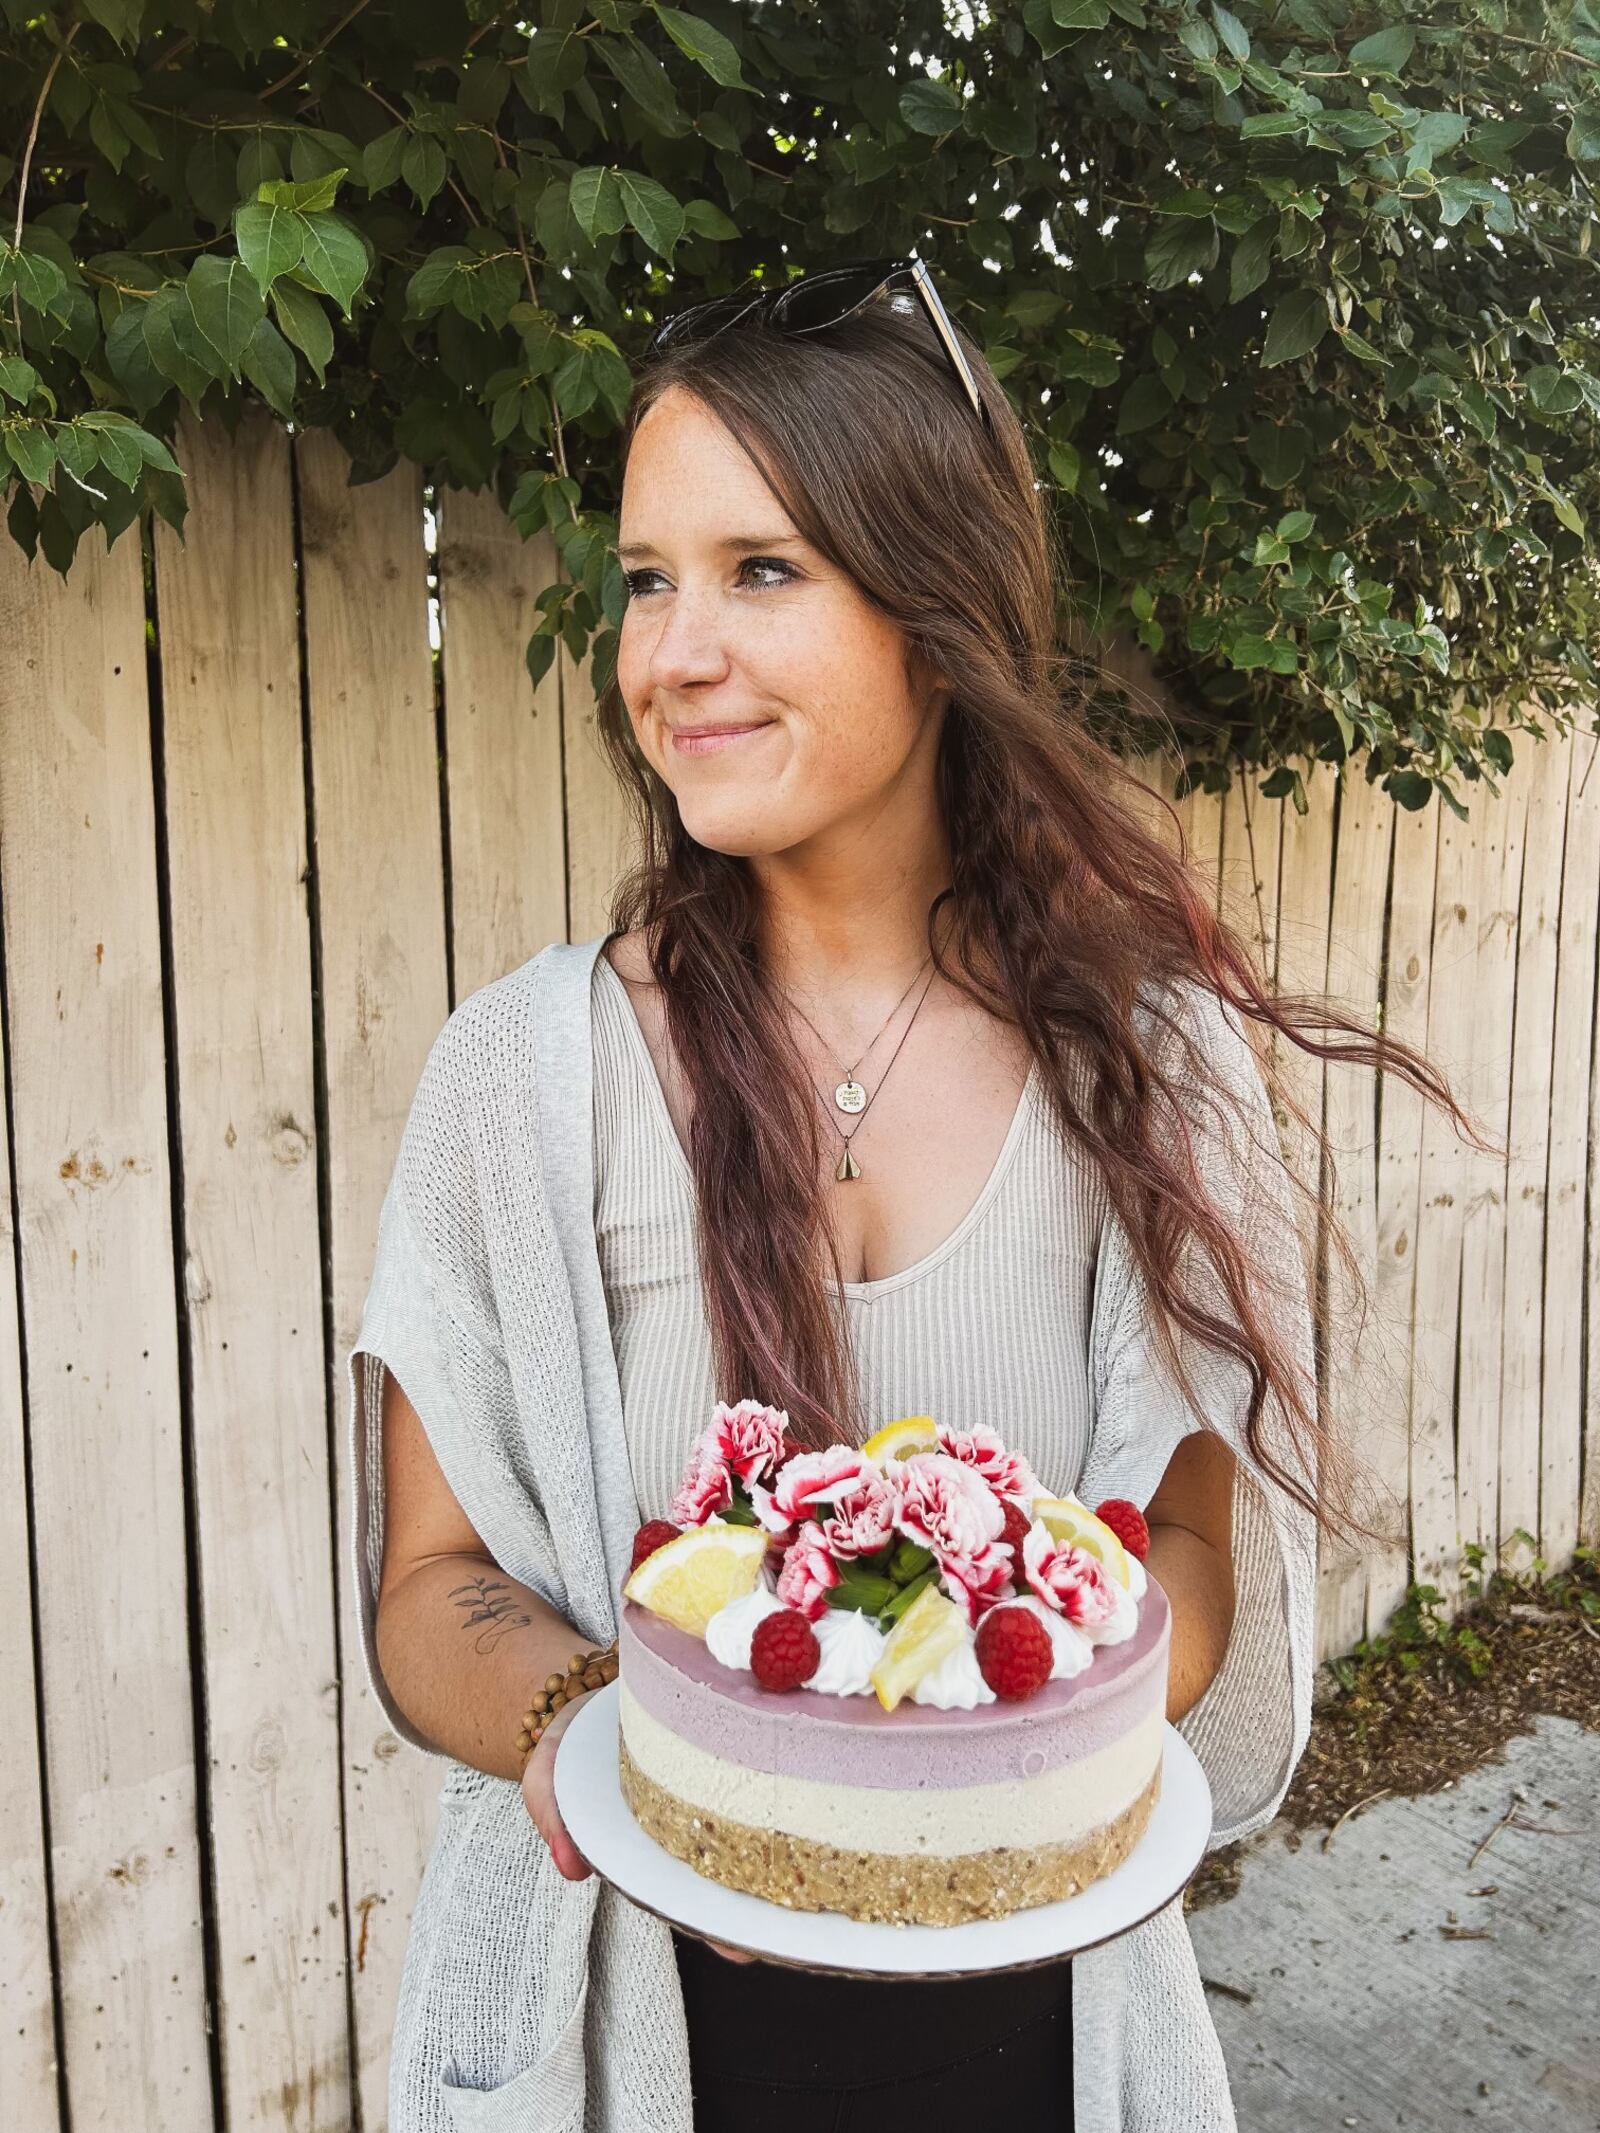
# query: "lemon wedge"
{"type": "Point", "coordinates": [899, 1440]}
{"type": "Point", "coordinates": [925, 1635]}
{"type": "Point", "coordinates": [1069, 1520]}
{"type": "Point", "coordinates": [691, 1577]}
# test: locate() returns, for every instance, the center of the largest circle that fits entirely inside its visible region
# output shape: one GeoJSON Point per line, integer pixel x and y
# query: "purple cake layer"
{"type": "Point", "coordinates": [852, 1740]}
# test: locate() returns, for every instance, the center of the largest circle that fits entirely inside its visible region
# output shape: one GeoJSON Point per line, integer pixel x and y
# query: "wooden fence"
{"type": "Point", "coordinates": [254, 843]}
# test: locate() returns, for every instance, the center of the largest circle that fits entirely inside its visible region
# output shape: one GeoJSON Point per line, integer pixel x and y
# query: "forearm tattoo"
{"type": "Point", "coordinates": [491, 1608]}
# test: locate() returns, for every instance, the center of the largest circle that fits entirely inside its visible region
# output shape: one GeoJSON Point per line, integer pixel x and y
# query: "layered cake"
{"type": "Point", "coordinates": [902, 1682]}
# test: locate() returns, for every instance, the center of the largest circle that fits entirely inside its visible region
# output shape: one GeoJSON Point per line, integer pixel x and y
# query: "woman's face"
{"type": "Point", "coordinates": [735, 622]}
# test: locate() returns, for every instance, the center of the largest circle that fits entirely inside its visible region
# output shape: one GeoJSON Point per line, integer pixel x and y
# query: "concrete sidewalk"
{"type": "Point", "coordinates": [1361, 2012]}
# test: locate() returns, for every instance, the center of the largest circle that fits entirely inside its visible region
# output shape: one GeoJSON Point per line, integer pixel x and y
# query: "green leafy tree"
{"type": "Point", "coordinates": [1298, 301]}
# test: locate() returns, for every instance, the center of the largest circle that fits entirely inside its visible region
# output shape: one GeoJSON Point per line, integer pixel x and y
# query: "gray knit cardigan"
{"type": "Point", "coordinates": [535, 2004]}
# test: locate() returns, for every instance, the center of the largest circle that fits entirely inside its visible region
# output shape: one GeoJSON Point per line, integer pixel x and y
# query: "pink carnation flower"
{"type": "Point", "coordinates": [1067, 1578]}
{"type": "Point", "coordinates": [1006, 1472]}
{"type": "Point", "coordinates": [809, 1479]}
{"type": "Point", "coordinates": [862, 1518]}
{"type": "Point", "coordinates": [744, 1443]}
{"type": "Point", "coordinates": [945, 1506]}
{"type": "Point", "coordinates": [704, 1491]}
{"type": "Point", "coordinates": [809, 1573]}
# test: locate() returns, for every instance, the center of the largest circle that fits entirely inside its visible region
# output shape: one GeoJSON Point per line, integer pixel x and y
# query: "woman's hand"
{"type": "Point", "coordinates": [539, 1796]}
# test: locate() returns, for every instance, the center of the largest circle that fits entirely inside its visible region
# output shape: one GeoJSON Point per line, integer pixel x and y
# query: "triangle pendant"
{"type": "Point", "coordinates": [848, 1166]}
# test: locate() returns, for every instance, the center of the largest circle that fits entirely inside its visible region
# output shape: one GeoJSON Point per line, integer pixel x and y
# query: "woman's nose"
{"type": "Point", "coordinates": [688, 645]}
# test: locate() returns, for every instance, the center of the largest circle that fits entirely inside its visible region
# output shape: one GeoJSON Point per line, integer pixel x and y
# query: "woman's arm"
{"type": "Point", "coordinates": [462, 1646]}
{"type": "Point", "coordinates": [1190, 1517]}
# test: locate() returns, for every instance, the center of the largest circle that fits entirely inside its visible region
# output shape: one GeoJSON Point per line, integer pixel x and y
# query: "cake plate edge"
{"type": "Point", "coordinates": [589, 1800]}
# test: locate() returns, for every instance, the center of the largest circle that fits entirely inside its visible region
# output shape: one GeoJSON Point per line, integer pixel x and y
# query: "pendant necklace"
{"type": "Point", "coordinates": [849, 1096]}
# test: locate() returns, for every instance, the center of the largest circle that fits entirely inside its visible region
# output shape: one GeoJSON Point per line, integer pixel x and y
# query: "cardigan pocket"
{"type": "Point", "coordinates": [547, 2097]}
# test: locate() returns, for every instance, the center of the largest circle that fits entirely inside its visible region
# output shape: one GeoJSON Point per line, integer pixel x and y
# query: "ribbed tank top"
{"type": "Point", "coordinates": [992, 1325]}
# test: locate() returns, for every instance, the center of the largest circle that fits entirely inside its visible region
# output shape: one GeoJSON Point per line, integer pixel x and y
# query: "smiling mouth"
{"type": "Point", "coordinates": [710, 741]}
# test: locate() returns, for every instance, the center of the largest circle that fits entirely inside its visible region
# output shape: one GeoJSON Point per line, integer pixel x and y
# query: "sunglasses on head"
{"type": "Point", "coordinates": [823, 299]}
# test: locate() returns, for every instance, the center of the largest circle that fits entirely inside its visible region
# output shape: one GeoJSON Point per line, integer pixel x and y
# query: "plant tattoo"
{"type": "Point", "coordinates": [491, 1608]}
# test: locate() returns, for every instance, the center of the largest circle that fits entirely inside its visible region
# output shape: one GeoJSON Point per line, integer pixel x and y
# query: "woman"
{"type": "Point", "coordinates": [881, 848]}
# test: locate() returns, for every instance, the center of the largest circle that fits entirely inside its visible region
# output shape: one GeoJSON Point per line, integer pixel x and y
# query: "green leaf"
{"type": "Point", "coordinates": [930, 107]}
{"type": "Point", "coordinates": [1232, 32]}
{"type": "Point", "coordinates": [380, 159]}
{"type": "Point", "coordinates": [1478, 408]}
{"type": "Point", "coordinates": [706, 46]}
{"type": "Point", "coordinates": [1565, 510]}
{"type": "Point", "coordinates": [705, 218]}
{"type": "Point", "coordinates": [1384, 52]}
{"type": "Point", "coordinates": [334, 259]}
{"type": "Point", "coordinates": [1066, 465]}
{"type": "Point", "coordinates": [271, 240]}
{"type": "Point", "coordinates": [37, 281]}
{"type": "Point", "coordinates": [1277, 451]}
{"type": "Point", "coordinates": [1295, 525]}
{"type": "Point", "coordinates": [77, 449]}
{"type": "Point", "coordinates": [33, 449]}
{"type": "Point", "coordinates": [1252, 259]}
{"type": "Point", "coordinates": [1296, 326]}
{"type": "Point", "coordinates": [1198, 37]}
{"type": "Point", "coordinates": [424, 168]}
{"type": "Point", "coordinates": [269, 365]}
{"type": "Point", "coordinates": [652, 211]}
{"type": "Point", "coordinates": [1552, 391]}
{"type": "Point", "coordinates": [1180, 247]}
{"type": "Point", "coordinates": [226, 304]}
{"type": "Point", "coordinates": [643, 78]}
{"type": "Point", "coordinates": [1080, 14]}
{"type": "Point", "coordinates": [308, 196]}
{"type": "Point", "coordinates": [302, 321]}
{"type": "Point", "coordinates": [131, 364]}
{"type": "Point", "coordinates": [18, 379]}
{"type": "Point", "coordinates": [178, 349]}
{"type": "Point", "coordinates": [1146, 401]}
{"type": "Point", "coordinates": [597, 203]}
{"type": "Point", "coordinates": [1583, 135]}
{"type": "Point", "coordinates": [1269, 125]}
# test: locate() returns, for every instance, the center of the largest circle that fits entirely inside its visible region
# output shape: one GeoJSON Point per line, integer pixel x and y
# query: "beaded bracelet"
{"type": "Point", "coordinates": [585, 1670]}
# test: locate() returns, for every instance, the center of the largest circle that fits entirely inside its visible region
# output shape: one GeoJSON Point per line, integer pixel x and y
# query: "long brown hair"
{"type": "Point", "coordinates": [1068, 910]}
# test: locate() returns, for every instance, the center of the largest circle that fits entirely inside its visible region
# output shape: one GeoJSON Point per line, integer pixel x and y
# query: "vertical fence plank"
{"type": "Point", "coordinates": [508, 861]}
{"type": "Point", "coordinates": [1483, 1231]}
{"type": "Point", "coordinates": [1330, 941]}
{"type": "Point", "coordinates": [1545, 775]}
{"type": "Point", "coordinates": [1251, 854]}
{"type": "Point", "coordinates": [1407, 988]}
{"type": "Point", "coordinates": [83, 976]}
{"type": "Point", "coordinates": [1451, 1041]}
{"type": "Point", "coordinates": [27, 2012]}
{"type": "Point", "coordinates": [601, 842]}
{"type": "Point", "coordinates": [380, 880]}
{"type": "Point", "coordinates": [241, 969]}
{"type": "Point", "coordinates": [1561, 1402]}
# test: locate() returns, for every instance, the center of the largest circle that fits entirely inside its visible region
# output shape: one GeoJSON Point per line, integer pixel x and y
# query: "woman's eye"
{"type": "Point", "coordinates": [773, 571]}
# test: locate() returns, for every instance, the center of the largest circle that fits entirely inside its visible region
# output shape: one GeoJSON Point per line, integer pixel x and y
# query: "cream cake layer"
{"type": "Point", "coordinates": [1064, 1803]}
{"type": "Point", "coordinates": [672, 1678]}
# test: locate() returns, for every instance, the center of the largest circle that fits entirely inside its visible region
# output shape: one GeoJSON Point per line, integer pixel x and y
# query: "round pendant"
{"type": "Point", "coordinates": [850, 1096]}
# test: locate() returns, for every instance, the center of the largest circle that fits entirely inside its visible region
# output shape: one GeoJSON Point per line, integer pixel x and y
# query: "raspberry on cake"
{"type": "Point", "coordinates": [902, 1682]}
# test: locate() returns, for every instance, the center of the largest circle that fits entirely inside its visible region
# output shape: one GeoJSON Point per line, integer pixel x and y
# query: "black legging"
{"type": "Point", "coordinates": [814, 2053]}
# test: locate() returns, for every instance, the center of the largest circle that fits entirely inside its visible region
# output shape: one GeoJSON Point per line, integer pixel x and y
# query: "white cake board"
{"type": "Point", "coordinates": [600, 1823]}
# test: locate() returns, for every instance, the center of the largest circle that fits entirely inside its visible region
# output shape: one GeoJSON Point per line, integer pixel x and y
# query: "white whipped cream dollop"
{"type": "Point", "coordinates": [1124, 1620]}
{"type": "Point", "coordinates": [730, 1629]}
{"type": "Point", "coordinates": [956, 1683]}
{"type": "Point", "coordinates": [1137, 1580]}
{"type": "Point", "coordinates": [850, 1643]}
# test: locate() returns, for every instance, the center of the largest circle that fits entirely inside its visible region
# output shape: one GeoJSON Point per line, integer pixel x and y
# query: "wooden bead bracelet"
{"type": "Point", "coordinates": [585, 1670]}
